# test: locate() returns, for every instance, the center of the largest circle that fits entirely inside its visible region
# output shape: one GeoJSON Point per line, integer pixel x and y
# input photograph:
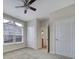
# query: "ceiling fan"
{"type": "Point", "coordinates": [26, 5]}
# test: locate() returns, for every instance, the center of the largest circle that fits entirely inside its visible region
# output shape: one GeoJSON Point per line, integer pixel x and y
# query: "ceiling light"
{"type": "Point", "coordinates": [18, 24]}
{"type": "Point", "coordinates": [5, 21]}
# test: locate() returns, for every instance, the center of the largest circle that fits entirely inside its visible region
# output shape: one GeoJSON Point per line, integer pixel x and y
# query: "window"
{"type": "Point", "coordinates": [12, 31]}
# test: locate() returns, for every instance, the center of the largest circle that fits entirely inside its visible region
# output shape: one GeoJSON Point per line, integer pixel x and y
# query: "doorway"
{"type": "Point", "coordinates": [44, 34]}
{"type": "Point", "coordinates": [45, 38]}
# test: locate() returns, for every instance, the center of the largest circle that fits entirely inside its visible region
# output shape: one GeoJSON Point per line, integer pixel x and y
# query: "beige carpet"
{"type": "Point", "coordinates": [27, 53]}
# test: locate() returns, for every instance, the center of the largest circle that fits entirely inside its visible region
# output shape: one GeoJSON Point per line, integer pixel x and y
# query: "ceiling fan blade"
{"type": "Point", "coordinates": [19, 6]}
{"type": "Point", "coordinates": [25, 11]}
{"type": "Point", "coordinates": [31, 2]}
{"type": "Point", "coordinates": [34, 9]}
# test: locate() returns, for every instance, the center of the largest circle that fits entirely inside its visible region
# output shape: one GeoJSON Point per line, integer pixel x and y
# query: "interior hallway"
{"type": "Point", "coordinates": [28, 53]}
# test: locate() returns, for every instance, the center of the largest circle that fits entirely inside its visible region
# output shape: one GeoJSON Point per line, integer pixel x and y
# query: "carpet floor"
{"type": "Point", "coordinates": [28, 53]}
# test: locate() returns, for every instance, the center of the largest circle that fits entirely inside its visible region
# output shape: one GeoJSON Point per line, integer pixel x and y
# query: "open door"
{"type": "Point", "coordinates": [48, 38]}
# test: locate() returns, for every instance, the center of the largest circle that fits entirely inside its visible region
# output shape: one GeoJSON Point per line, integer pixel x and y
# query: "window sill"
{"type": "Point", "coordinates": [13, 43]}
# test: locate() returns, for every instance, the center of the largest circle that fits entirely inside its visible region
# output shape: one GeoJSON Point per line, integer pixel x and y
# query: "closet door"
{"type": "Point", "coordinates": [65, 37]}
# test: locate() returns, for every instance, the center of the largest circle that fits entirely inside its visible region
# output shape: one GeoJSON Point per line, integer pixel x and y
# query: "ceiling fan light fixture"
{"type": "Point", "coordinates": [26, 5]}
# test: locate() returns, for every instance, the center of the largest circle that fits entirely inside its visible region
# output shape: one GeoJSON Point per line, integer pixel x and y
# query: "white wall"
{"type": "Point", "coordinates": [38, 34]}
{"type": "Point", "coordinates": [32, 34]}
{"type": "Point", "coordinates": [66, 13]}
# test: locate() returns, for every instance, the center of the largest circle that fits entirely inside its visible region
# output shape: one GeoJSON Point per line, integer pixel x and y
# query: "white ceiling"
{"type": "Point", "coordinates": [44, 8]}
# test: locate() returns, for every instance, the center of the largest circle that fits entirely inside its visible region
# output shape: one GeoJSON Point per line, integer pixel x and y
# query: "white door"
{"type": "Point", "coordinates": [65, 37]}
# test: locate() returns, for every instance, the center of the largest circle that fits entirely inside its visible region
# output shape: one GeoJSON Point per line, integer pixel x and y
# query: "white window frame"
{"type": "Point", "coordinates": [14, 42]}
